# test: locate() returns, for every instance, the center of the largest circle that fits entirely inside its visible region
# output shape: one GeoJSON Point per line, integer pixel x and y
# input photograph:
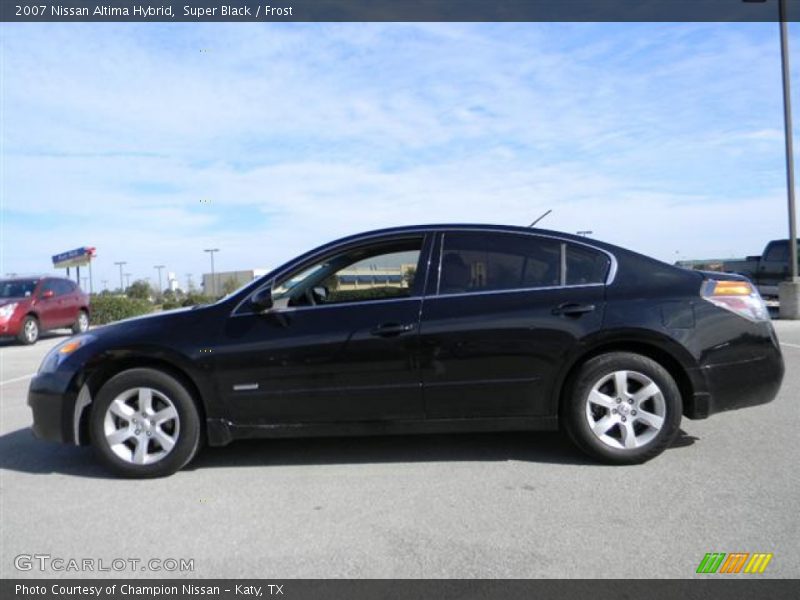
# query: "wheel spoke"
{"type": "Point", "coordinates": [165, 440]}
{"type": "Point", "coordinates": [601, 399]}
{"type": "Point", "coordinates": [140, 454]}
{"type": "Point", "coordinates": [119, 436]}
{"type": "Point", "coordinates": [121, 410]}
{"type": "Point", "coordinates": [603, 425]}
{"type": "Point", "coordinates": [628, 435]}
{"type": "Point", "coordinates": [621, 383]}
{"type": "Point", "coordinates": [650, 419]}
{"type": "Point", "coordinates": [145, 400]}
{"type": "Point", "coordinates": [165, 414]}
{"type": "Point", "coordinates": [647, 392]}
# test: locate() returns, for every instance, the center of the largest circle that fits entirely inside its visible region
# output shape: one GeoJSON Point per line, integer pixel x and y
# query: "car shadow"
{"type": "Point", "coordinates": [21, 451]}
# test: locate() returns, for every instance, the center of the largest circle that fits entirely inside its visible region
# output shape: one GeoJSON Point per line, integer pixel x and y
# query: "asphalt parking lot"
{"type": "Point", "coordinates": [488, 505]}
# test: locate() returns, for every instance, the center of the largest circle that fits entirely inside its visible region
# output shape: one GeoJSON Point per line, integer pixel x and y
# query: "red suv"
{"type": "Point", "coordinates": [31, 305]}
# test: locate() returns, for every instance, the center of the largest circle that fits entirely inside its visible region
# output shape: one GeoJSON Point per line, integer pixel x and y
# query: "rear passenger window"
{"type": "Point", "coordinates": [474, 262]}
{"type": "Point", "coordinates": [585, 265]}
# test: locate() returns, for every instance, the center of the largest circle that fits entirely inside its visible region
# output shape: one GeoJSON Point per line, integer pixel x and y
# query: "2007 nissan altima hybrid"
{"type": "Point", "coordinates": [435, 328]}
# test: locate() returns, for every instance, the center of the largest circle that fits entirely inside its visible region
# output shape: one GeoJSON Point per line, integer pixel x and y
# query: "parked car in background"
{"type": "Point", "coordinates": [434, 328]}
{"type": "Point", "coordinates": [765, 271]}
{"type": "Point", "coordinates": [31, 305]}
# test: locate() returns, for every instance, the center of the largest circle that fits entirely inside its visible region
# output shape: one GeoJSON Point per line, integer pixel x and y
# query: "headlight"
{"type": "Point", "coordinates": [54, 358]}
{"type": "Point", "coordinates": [7, 310]}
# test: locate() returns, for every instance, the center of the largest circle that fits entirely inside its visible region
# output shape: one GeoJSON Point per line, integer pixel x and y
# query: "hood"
{"type": "Point", "coordinates": [4, 301]}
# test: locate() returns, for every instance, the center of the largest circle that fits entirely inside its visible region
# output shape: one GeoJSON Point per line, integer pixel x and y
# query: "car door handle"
{"type": "Point", "coordinates": [392, 329]}
{"type": "Point", "coordinates": [570, 309]}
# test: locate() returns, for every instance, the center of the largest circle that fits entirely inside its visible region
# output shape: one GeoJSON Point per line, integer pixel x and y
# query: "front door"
{"type": "Point", "coordinates": [509, 307]}
{"type": "Point", "coordinates": [339, 344]}
{"type": "Point", "coordinates": [48, 307]}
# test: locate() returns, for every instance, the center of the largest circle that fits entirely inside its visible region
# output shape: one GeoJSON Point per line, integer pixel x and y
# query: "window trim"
{"type": "Point", "coordinates": [612, 268]}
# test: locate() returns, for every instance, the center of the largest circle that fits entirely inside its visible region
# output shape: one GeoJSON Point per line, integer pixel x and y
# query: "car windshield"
{"type": "Point", "coordinates": [17, 288]}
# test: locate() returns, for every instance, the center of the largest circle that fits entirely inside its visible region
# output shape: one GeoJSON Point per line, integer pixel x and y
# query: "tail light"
{"type": "Point", "coordinates": [737, 296]}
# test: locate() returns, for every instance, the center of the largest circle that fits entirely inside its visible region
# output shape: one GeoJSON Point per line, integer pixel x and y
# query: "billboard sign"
{"type": "Point", "coordinates": [78, 257]}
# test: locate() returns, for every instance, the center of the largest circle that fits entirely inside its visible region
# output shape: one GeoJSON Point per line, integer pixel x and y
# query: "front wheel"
{"type": "Point", "coordinates": [622, 408]}
{"type": "Point", "coordinates": [144, 423]}
{"type": "Point", "coordinates": [29, 332]}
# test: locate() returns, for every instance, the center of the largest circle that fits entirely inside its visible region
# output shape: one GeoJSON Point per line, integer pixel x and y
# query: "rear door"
{"type": "Point", "coordinates": [506, 310]}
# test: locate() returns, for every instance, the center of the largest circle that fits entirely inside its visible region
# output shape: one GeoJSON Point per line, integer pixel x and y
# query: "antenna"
{"type": "Point", "coordinates": [540, 218]}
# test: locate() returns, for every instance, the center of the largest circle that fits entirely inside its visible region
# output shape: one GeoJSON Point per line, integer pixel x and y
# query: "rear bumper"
{"type": "Point", "coordinates": [739, 384]}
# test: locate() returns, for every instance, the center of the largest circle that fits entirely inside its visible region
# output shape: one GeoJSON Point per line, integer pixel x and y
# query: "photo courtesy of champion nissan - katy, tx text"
{"type": "Point", "coordinates": [435, 328]}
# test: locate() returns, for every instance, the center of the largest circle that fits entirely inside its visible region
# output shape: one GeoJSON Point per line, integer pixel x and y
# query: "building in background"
{"type": "Point", "coordinates": [225, 282]}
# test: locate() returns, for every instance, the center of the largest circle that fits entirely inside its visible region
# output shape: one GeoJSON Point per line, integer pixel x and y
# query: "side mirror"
{"type": "Point", "coordinates": [48, 294]}
{"type": "Point", "coordinates": [262, 299]}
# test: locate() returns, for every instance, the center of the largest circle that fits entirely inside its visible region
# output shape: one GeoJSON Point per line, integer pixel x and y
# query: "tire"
{"type": "Point", "coordinates": [81, 323]}
{"type": "Point", "coordinates": [29, 332]}
{"type": "Point", "coordinates": [140, 446]}
{"type": "Point", "coordinates": [630, 400]}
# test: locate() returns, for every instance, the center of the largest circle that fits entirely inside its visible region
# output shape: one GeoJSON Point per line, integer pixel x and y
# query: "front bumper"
{"type": "Point", "coordinates": [53, 406]}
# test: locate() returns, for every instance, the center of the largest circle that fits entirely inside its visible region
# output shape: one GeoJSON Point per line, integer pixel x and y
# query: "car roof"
{"type": "Point", "coordinates": [469, 226]}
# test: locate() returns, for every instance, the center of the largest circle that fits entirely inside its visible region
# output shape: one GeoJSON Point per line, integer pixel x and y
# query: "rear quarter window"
{"type": "Point", "coordinates": [585, 265]}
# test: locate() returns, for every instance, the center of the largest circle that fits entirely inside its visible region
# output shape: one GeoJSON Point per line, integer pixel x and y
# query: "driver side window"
{"type": "Point", "coordinates": [376, 272]}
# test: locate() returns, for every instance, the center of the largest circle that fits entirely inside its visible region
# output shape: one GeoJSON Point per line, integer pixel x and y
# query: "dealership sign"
{"type": "Point", "coordinates": [74, 258]}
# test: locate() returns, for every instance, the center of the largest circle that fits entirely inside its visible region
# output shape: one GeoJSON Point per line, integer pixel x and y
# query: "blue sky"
{"type": "Point", "coordinates": [666, 138]}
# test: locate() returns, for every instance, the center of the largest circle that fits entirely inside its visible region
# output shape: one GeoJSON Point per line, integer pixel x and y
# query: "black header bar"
{"type": "Point", "coordinates": [395, 10]}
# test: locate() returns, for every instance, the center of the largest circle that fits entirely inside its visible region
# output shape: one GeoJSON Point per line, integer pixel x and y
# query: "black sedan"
{"type": "Point", "coordinates": [421, 329]}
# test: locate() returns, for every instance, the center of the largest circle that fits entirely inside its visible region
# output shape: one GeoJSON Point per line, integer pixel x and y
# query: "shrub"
{"type": "Point", "coordinates": [139, 289]}
{"type": "Point", "coordinates": [193, 298]}
{"type": "Point", "coordinates": [107, 309]}
{"type": "Point", "coordinates": [170, 304]}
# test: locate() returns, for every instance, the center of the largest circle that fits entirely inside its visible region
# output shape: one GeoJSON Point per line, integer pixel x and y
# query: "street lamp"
{"type": "Point", "coordinates": [121, 285]}
{"type": "Point", "coordinates": [213, 283]}
{"type": "Point", "coordinates": [159, 267]}
{"type": "Point", "coordinates": [585, 232]}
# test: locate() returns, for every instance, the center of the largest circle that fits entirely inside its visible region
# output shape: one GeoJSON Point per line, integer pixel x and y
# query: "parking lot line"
{"type": "Point", "coordinates": [17, 379]}
{"type": "Point", "coordinates": [790, 345]}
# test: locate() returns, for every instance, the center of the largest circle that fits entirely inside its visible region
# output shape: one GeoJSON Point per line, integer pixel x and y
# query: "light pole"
{"type": "Point", "coordinates": [121, 285]}
{"type": "Point", "coordinates": [788, 291]}
{"type": "Point", "coordinates": [213, 283]}
{"type": "Point", "coordinates": [159, 267]}
{"type": "Point", "coordinates": [127, 280]}
{"type": "Point", "coordinates": [105, 284]}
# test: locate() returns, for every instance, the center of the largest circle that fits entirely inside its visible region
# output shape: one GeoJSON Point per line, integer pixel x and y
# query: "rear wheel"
{"type": "Point", "coordinates": [29, 332]}
{"type": "Point", "coordinates": [144, 423]}
{"type": "Point", "coordinates": [622, 408]}
{"type": "Point", "coordinates": [81, 324]}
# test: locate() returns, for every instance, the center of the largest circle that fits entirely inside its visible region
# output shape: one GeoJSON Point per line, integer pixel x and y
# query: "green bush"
{"type": "Point", "coordinates": [194, 298]}
{"type": "Point", "coordinates": [107, 309]}
{"type": "Point", "coordinates": [170, 304]}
